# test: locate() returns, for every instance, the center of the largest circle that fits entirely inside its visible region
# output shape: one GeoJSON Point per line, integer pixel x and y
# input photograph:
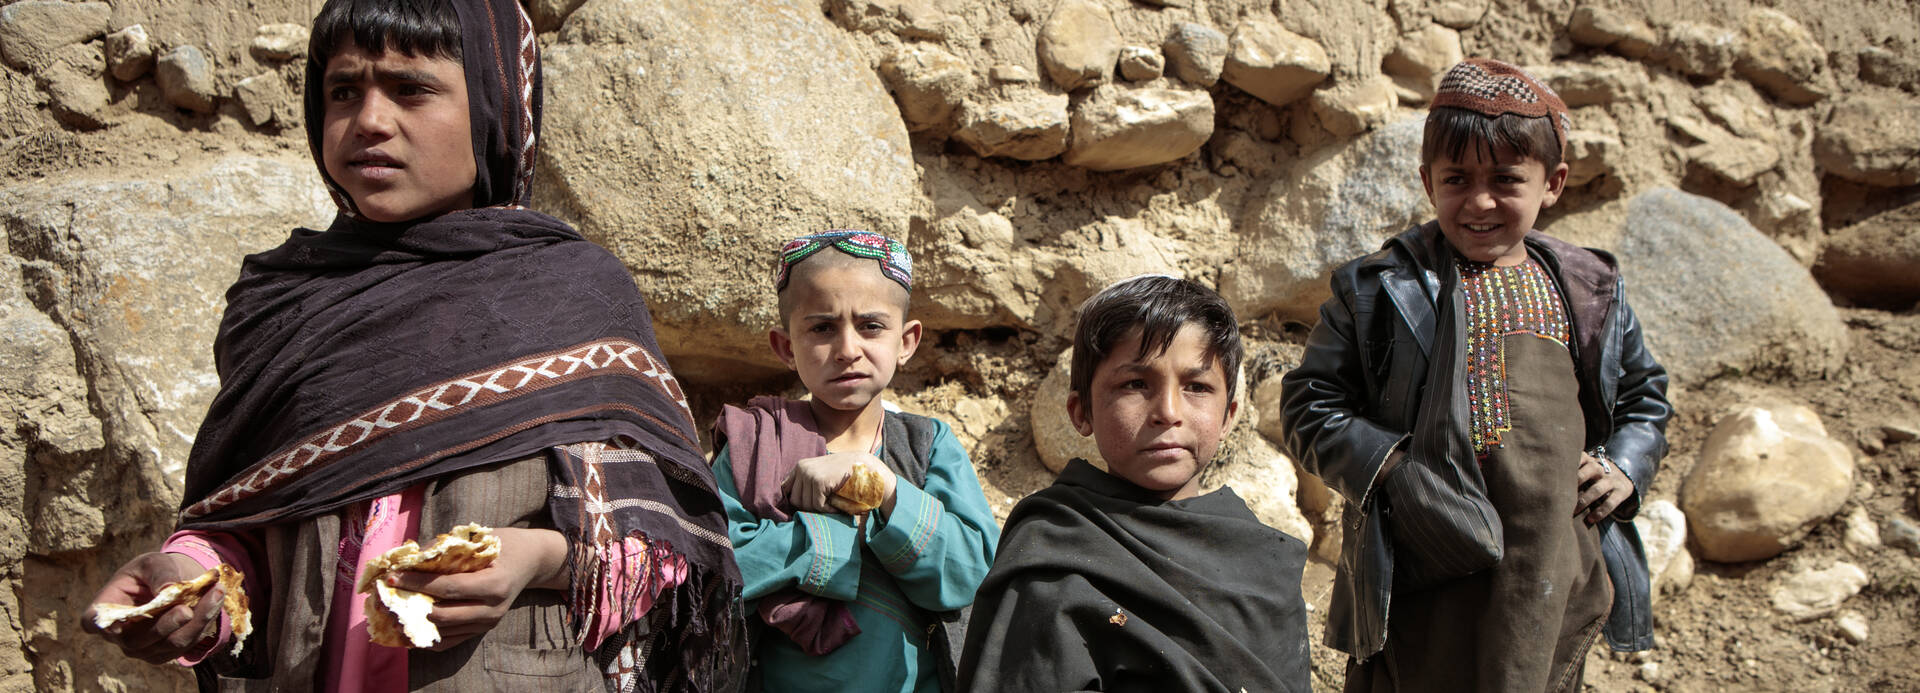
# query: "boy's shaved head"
{"type": "Point", "coordinates": [800, 278]}
{"type": "Point", "coordinates": [421, 28]}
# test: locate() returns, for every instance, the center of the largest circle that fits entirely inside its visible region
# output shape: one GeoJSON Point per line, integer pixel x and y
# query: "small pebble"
{"type": "Point", "coordinates": [1852, 626]}
{"type": "Point", "coordinates": [1902, 534]}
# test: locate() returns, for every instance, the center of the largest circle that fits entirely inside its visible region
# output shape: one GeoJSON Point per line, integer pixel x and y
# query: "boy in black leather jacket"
{"type": "Point", "coordinates": [1481, 395]}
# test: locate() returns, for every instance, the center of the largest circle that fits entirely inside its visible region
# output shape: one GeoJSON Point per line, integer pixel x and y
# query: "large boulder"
{"type": "Point", "coordinates": [112, 293]}
{"type": "Point", "coordinates": [1344, 205]}
{"type": "Point", "coordinates": [1715, 295]}
{"type": "Point", "coordinates": [1314, 496]}
{"type": "Point", "coordinates": [1875, 262]}
{"type": "Point", "coordinates": [1118, 128]}
{"type": "Point", "coordinates": [43, 419]}
{"type": "Point", "coordinates": [1874, 140]}
{"type": "Point", "coordinates": [1273, 64]}
{"type": "Point", "coordinates": [1767, 475]}
{"type": "Point", "coordinates": [1053, 434]}
{"type": "Point", "coordinates": [689, 140]}
{"type": "Point", "coordinates": [145, 305]}
{"type": "Point", "coordinates": [1262, 476]}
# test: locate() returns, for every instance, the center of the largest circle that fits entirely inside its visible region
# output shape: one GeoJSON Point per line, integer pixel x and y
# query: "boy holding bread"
{"type": "Point", "coordinates": [860, 530]}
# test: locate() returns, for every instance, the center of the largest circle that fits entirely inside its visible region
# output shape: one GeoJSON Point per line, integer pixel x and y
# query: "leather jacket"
{"type": "Point", "coordinates": [1356, 397]}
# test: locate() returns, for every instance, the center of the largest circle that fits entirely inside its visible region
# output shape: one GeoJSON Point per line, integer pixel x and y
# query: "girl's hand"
{"type": "Point", "coordinates": [470, 604]}
{"type": "Point", "coordinates": [170, 634]}
{"type": "Point", "coordinates": [1603, 487]}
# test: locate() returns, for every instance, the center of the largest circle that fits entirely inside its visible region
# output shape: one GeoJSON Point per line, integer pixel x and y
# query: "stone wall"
{"type": "Point", "coordinates": [1030, 151]}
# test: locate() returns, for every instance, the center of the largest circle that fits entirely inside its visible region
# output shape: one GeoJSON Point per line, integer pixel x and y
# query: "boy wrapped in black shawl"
{"type": "Point", "coordinates": [1098, 585]}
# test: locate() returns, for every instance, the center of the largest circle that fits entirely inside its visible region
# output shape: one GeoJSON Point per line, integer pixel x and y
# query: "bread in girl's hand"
{"type": "Point", "coordinates": [233, 602]}
{"type": "Point", "coordinates": [398, 617]}
{"type": "Point", "coordinates": [863, 490]}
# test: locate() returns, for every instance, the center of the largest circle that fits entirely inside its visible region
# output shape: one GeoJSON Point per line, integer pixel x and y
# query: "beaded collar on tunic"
{"type": "Point", "coordinates": [1501, 301]}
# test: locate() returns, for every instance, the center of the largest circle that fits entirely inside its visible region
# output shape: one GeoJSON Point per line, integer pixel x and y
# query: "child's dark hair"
{"type": "Point", "coordinates": [1451, 130]}
{"type": "Point", "coordinates": [420, 28]}
{"type": "Point", "coordinates": [1158, 306]}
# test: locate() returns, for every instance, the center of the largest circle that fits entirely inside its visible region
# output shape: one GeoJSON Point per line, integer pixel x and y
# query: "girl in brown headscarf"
{"type": "Point", "coordinates": [442, 355]}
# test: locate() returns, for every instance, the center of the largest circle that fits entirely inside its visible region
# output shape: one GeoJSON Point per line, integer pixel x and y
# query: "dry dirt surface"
{"type": "Point", "coordinates": [1720, 633]}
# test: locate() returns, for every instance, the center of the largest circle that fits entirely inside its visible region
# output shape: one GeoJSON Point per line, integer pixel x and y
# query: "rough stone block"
{"type": "Point", "coordinates": [30, 31]}
{"type": "Point", "coordinates": [186, 79]}
{"type": "Point", "coordinates": [1196, 53]}
{"type": "Point", "coordinates": [1701, 50]}
{"type": "Point", "coordinates": [928, 83]}
{"type": "Point", "coordinates": [1782, 58]}
{"type": "Point", "coordinates": [1871, 139]}
{"type": "Point", "coordinates": [1274, 64]}
{"type": "Point", "coordinates": [1140, 64]}
{"type": "Point", "coordinates": [129, 53]}
{"type": "Point", "coordinates": [1118, 128]}
{"type": "Point", "coordinates": [1355, 107]}
{"type": "Point", "coordinates": [1078, 44]}
{"type": "Point", "coordinates": [280, 42]}
{"type": "Point", "coordinates": [1605, 28]}
{"type": "Point", "coordinates": [1030, 126]}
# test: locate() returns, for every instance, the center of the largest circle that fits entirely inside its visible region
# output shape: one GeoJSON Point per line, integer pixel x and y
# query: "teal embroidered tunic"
{"type": "Point", "coordinates": [928, 557]}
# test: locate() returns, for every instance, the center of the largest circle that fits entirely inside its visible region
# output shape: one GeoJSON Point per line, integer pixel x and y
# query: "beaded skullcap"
{"type": "Point", "coordinates": [1493, 89]}
{"type": "Point", "coordinates": [892, 255]}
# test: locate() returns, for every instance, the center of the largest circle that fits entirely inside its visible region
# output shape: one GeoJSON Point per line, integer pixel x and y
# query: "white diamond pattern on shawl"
{"type": "Point", "coordinates": [438, 401]}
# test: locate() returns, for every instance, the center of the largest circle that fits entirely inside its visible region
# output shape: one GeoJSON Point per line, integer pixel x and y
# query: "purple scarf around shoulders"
{"type": "Point", "coordinates": [765, 441]}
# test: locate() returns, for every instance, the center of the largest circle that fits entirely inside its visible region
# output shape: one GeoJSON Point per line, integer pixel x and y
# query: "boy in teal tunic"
{"type": "Point", "coordinates": [852, 602]}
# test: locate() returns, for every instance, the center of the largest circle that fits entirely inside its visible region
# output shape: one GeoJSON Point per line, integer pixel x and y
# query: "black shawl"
{"type": "Point", "coordinates": [368, 358]}
{"type": "Point", "coordinates": [1098, 585]}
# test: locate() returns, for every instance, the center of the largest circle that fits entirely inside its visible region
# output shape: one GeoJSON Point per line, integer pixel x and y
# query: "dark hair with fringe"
{"type": "Point", "coordinates": [1452, 130]}
{"type": "Point", "coordinates": [421, 28]}
{"type": "Point", "coordinates": [1157, 306]}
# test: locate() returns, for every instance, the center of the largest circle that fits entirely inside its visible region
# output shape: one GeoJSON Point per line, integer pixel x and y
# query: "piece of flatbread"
{"type": "Point", "coordinates": [398, 617]}
{"type": "Point", "coordinates": [863, 490]}
{"type": "Point", "coordinates": [233, 602]}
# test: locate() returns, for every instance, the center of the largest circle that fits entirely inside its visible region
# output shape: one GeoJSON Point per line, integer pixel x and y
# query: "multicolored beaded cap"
{"type": "Point", "coordinates": [895, 263]}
